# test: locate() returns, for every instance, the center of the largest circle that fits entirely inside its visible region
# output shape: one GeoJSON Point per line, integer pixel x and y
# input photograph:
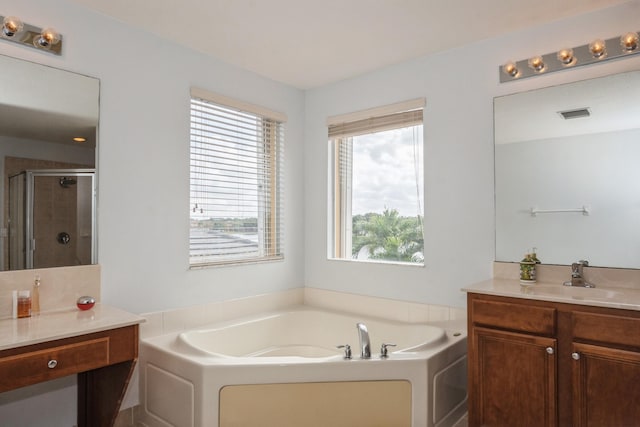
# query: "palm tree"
{"type": "Point", "coordinates": [388, 236]}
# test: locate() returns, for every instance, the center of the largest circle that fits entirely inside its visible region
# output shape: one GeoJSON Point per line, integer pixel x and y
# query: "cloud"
{"type": "Point", "coordinates": [384, 172]}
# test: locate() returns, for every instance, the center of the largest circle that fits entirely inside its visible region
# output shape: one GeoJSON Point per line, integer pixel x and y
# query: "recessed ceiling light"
{"type": "Point", "coordinates": [80, 139]}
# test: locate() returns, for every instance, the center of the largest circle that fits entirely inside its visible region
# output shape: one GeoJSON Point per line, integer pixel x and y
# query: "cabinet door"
{"type": "Point", "coordinates": [513, 379]}
{"type": "Point", "coordinates": [606, 386]}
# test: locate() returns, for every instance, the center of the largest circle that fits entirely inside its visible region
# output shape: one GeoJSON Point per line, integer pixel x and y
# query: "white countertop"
{"type": "Point", "coordinates": [55, 325]}
{"type": "Point", "coordinates": [601, 296]}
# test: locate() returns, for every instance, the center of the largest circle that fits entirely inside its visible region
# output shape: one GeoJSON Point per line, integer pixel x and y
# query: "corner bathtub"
{"type": "Point", "coordinates": [223, 374]}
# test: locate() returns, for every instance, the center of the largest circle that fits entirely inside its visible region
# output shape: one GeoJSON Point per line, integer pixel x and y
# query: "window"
{"type": "Point", "coordinates": [236, 192]}
{"type": "Point", "coordinates": [376, 182]}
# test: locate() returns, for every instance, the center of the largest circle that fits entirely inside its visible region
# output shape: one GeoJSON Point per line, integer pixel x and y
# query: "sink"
{"type": "Point", "coordinates": [573, 292]}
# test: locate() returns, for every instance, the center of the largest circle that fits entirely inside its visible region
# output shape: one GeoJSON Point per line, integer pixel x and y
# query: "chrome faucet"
{"type": "Point", "coordinates": [365, 344]}
{"type": "Point", "coordinates": [577, 278]}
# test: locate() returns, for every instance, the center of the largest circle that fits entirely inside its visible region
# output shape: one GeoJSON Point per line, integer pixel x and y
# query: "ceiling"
{"type": "Point", "coordinates": [310, 43]}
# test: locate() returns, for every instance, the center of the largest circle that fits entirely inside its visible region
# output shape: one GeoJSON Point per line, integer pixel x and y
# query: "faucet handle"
{"type": "Point", "coordinates": [384, 353]}
{"type": "Point", "coordinates": [347, 350]}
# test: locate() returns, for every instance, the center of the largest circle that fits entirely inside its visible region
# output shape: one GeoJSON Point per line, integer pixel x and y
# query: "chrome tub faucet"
{"type": "Point", "coordinates": [365, 344]}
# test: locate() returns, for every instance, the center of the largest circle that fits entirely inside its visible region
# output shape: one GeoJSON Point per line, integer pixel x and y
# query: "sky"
{"type": "Point", "coordinates": [384, 172]}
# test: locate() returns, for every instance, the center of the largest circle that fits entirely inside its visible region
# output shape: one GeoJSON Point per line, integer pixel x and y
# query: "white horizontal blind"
{"type": "Point", "coordinates": [376, 124]}
{"type": "Point", "coordinates": [236, 207]}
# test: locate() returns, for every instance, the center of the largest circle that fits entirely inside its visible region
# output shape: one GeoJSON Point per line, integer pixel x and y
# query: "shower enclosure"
{"type": "Point", "coordinates": [51, 216]}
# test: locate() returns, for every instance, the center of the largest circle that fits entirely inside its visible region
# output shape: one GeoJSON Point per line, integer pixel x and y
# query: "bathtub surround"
{"type": "Point", "coordinates": [177, 320]}
{"type": "Point", "coordinates": [289, 350]}
{"type": "Point", "coordinates": [182, 319]}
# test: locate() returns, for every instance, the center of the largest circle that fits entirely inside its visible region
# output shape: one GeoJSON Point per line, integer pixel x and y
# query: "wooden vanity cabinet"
{"type": "Point", "coordinates": [537, 363]}
{"type": "Point", "coordinates": [103, 361]}
{"type": "Point", "coordinates": [606, 369]}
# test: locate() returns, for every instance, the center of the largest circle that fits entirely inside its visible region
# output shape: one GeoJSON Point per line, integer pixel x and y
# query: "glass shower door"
{"type": "Point", "coordinates": [52, 225]}
{"type": "Point", "coordinates": [62, 211]}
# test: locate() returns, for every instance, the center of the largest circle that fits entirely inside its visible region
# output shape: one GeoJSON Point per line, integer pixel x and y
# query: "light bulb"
{"type": "Point", "coordinates": [11, 25]}
{"type": "Point", "coordinates": [629, 41]}
{"type": "Point", "coordinates": [47, 38]}
{"type": "Point", "coordinates": [510, 69]}
{"type": "Point", "coordinates": [565, 56]}
{"type": "Point", "coordinates": [598, 48]}
{"type": "Point", "coordinates": [537, 64]}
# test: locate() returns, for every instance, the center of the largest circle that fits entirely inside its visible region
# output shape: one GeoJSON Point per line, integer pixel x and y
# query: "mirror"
{"type": "Point", "coordinates": [48, 191]}
{"type": "Point", "coordinates": [570, 187]}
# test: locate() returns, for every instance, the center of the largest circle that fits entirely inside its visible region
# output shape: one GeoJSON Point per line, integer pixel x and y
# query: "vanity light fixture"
{"type": "Point", "coordinates": [597, 51]}
{"type": "Point", "coordinates": [536, 64]}
{"type": "Point", "coordinates": [510, 69]}
{"type": "Point", "coordinates": [598, 48]}
{"type": "Point", "coordinates": [565, 56]}
{"type": "Point", "coordinates": [47, 38]}
{"type": "Point", "coordinates": [11, 25]}
{"type": "Point", "coordinates": [14, 30]}
{"type": "Point", "coordinates": [629, 41]}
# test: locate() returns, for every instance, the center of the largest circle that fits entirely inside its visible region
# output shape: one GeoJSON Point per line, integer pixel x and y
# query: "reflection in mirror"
{"type": "Point", "coordinates": [48, 215]}
{"type": "Point", "coordinates": [558, 165]}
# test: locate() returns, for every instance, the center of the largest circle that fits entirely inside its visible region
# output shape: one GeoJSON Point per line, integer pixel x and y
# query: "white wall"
{"type": "Point", "coordinates": [459, 86]}
{"type": "Point", "coordinates": [143, 157]}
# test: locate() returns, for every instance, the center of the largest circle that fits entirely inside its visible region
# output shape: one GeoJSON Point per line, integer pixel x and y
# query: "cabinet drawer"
{"type": "Point", "coordinates": [516, 317]}
{"type": "Point", "coordinates": [606, 328]}
{"type": "Point", "coordinates": [54, 362]}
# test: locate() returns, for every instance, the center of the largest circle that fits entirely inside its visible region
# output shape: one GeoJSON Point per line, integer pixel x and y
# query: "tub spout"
{"type": "Point", "coordinates": [365, 344]}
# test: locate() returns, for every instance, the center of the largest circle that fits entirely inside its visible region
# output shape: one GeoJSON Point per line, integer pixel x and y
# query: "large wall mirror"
{"type": "Point", "coordinates": [48, 136]}
{"type": "Point", "coordinates": [567, 162]}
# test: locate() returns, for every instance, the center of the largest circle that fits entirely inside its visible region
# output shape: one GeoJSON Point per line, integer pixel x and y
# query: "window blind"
{"type": "Point", "coordinates": [236, 194]}
{"type": "Point", "coordinates": [376, 124]}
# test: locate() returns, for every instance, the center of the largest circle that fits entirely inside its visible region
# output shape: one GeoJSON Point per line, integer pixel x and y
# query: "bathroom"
{"type": "Point", "coordinates": [143, 167]}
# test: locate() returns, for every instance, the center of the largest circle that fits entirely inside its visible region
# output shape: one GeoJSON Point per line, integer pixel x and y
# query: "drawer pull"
{"type": "Point", "coordinates": [575, 356]}
{"type": "Point", "coordinates": [52, 363]}
{"type": "Point", "coordinates": [549, 350]}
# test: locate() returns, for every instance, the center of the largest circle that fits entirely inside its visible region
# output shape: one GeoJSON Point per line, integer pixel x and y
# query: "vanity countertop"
{"type": "Point", "coordinates": [55, 325]}
{"type": "Point", "coordinates": [601, 296]}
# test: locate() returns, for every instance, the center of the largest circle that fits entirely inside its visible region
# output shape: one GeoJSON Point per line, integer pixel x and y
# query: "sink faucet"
{"type": "Point", "coordinates": [576, 275]}
{"type": "Point", "coordinates": [365, 344]}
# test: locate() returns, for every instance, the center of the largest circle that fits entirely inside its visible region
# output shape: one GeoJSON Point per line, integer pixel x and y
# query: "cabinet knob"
{"type": "Point", "coordinates": [52, 363]}
{"type": "Point", "coordinates": [550, 350]}
{"type": "Point", "coordinates": [575, 356]}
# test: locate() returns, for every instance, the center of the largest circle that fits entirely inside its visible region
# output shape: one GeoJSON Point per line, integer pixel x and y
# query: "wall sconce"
{"type": "Point", "coordinates": [14, 30]}
{"type": "Point", "coordinates": [594, 52]}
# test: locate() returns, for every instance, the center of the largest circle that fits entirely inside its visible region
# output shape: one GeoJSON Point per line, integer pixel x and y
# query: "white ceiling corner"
{"type": "Point", "coordinates": [310, 43]}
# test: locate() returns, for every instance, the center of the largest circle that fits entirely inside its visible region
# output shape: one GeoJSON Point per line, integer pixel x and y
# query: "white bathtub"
{"type": "Point", "coordinates": [182, 374]}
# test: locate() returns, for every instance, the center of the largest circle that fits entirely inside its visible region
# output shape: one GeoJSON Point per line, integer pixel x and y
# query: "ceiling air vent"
{"type": "Point", "coordinates": [575, 114]}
